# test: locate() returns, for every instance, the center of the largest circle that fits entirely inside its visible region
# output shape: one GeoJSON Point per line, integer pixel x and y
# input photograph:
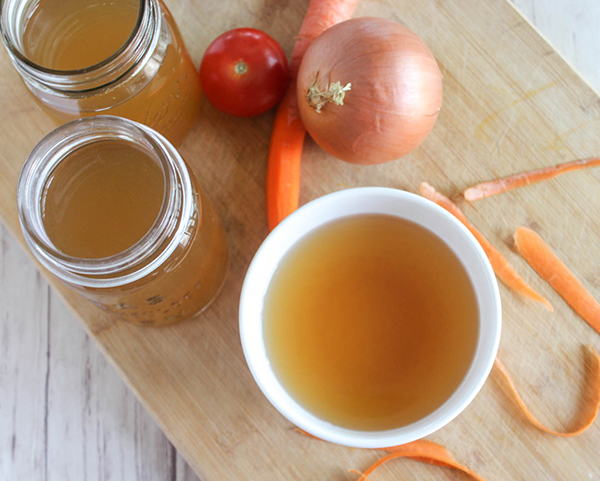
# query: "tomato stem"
{"type": "Point", "coordinates": [241, 68]}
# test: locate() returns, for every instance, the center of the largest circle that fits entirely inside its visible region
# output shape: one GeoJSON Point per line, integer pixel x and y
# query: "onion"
{"type": "Point", "coordinates": [369, 90]}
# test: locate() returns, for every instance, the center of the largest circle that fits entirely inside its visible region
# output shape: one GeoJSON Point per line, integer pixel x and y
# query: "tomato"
{"type": "Point", "coordinates": [244, 72]}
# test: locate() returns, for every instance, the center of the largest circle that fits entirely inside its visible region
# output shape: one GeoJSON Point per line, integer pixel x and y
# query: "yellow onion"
{"type": "Point", "coordinates": [369, 90]}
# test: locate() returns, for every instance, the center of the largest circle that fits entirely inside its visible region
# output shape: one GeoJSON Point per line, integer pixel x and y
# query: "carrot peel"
{"type": "Point", "coordinates": [422, 451]}
{"type": "Point", "coordinates": [593, 400]}
{"type": "Point", "coordinates": [486, 189]}
{"type": "Point", "coordinates": [505, 272]}
{"type": "Point", "coordinates": [425, 452]}
{"type": "Point", "coordinates": [554, 271]}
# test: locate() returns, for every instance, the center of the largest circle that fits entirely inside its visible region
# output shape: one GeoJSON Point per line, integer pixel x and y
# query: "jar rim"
{"type": "Point", "coordinates": [149, 252]}
{"type": "Point", "coordinates": [97, 76]}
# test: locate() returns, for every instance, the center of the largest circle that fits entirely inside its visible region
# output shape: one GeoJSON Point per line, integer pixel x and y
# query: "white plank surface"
{"type": "Point", "coordinates": [64, 412]}
{"type": "Point", "coordinates": [573, 28]}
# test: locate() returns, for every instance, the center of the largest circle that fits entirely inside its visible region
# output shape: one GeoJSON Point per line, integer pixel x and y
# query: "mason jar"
{"type": "Point", "coordinates": [138, 67]}
{"type": "Point", "coordinates": [172, 272]}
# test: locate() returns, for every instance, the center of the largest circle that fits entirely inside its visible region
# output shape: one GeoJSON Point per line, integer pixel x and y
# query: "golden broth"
{"type": "Point", "coordinates": [370, 322]}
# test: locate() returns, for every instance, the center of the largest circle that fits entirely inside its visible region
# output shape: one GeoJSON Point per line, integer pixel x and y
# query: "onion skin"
{"type": "Point", "coordinates": [395, 96]}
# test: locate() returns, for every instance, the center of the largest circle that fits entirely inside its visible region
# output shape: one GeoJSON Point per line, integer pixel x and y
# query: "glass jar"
{"type": "Point", "coordinates": [173, 272]}
{"type": "Point", "coordinates": [150, 78]}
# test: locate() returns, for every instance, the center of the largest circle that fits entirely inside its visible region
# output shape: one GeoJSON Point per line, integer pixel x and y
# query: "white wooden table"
{"type": "Point", "coordinates": [64, 412]}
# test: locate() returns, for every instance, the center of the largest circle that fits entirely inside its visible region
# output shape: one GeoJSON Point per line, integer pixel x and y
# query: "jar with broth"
{"type": "Point", "coordinates": [111, 208]}
{"type": "Point", "coordinates": [82, 58]}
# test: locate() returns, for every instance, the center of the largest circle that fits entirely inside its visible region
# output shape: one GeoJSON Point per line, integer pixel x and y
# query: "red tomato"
{"type": "Point", "coordinates": [244, 72]}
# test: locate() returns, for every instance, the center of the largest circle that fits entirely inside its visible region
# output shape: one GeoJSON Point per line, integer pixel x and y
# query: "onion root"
{"type": "Point", "coordinates": [334, 92]}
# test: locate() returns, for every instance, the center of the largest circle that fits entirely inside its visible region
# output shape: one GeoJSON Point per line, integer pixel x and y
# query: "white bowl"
{"type": "Point", "coordinates": [370, 200]}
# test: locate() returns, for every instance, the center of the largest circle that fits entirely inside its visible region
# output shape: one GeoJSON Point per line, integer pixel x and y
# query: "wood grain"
{"type": "Point", "coordinates": [510, 103]}
{"type": "Point", "coordinates": [64, 412]}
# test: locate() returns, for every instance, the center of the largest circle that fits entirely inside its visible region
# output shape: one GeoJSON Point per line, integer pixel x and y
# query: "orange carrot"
{"type": "Point", "coordinates": [593, 400]}
{"type": "Point", "coordinates": [423, 451]}
{"type": "Point", "coordinates": [515, 181]}
{"type": "Point", "coordinates": [505, 272]}
{"type": "Point", "coordinates": [283, 167]}
{"type": "Point", "coordinates": [545, 262]}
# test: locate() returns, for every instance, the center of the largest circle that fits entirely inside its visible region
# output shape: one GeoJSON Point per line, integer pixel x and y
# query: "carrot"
{"type": "Point", "coordinates": [505, 272]}
{"type": "Point", "coordinates": [422, 451]}
{"type": "Point", "coordinates": [515, 181]}
{"type": "Point", "coordinates": [283, 165]}
{"type": "Point", "coordinates": [593, 400]}
{"type": "Point", "coordinates": [545, 262]}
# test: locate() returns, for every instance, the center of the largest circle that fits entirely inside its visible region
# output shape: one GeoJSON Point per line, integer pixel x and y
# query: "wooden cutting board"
{"type": "Point", "coordinates": [511, 103]}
